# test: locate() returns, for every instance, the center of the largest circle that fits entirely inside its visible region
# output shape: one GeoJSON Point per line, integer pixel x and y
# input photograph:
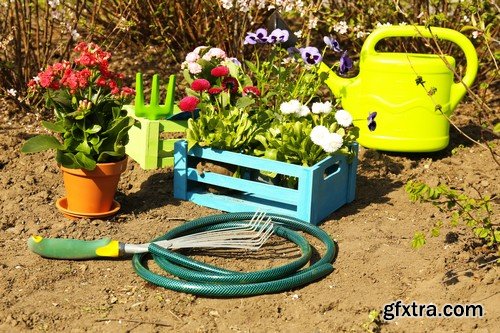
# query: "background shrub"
{"type": "Point", "coordinates": [34, 33]}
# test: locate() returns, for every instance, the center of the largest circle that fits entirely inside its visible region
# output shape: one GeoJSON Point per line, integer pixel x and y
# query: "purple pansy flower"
{"type": "Point", "coordinates": [372, 124]}
{"type": "Point", "coordinates": [235, 61]}
{"type": "Point", "coordinates": [278, 36]}
{"type": "Point", "coordinates": [332, 44]}
{"type": "Point", "coordinates": [259, 36]}
{"type": "Point", "coordinates": [345, 63]}
{"type": "Point", "coordinates": [310, 55]}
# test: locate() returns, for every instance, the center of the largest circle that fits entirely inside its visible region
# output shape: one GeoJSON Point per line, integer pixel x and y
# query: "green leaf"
{"type": "Point", "coordinates": [85, 161]}
{"type": "Point", "coordinates": [72, 161]}
{"type": "Point", "coordinates": [251, 66]}
{"type": "Point", "coordinates": [271, 154]}
{"type": "Point", "coordinates": [244, 101]}
{"type": "Point", "coordinates": [467, 28]}
{"type": "Point", "coordinates": [84, 147]}
{"type": "Point", "coordinates": [418, 240]}
{"type": "Point", "coordinates": [482, 232]}
{"type": "Point", "coordinates": [435, 232]}
{"type": "Point", "coordinates": [496, 129]}
{"type": "Point", "coordinates": [54, 127]}
{"type": "Point", "coordinates": [41, 143]}
{"type": "Point", "coordinates": [94, 129]}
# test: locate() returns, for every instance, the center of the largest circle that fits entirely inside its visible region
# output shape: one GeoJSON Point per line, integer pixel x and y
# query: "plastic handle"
{"type": "Point", "coordinates": [457, 90]}
{"type": "Point", "coordinates": [62, 248]}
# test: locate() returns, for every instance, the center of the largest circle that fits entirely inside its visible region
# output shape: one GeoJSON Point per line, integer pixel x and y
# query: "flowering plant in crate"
{"type": "Point", "coordinates": [87, 99]}
{"type": "Point", "coordinates": [275, 107]}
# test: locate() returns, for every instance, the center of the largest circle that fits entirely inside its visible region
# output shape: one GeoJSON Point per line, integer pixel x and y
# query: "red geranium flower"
{"type": "Point", "coordinates": [251, 90]}
{"type": "Point", "coordinates": [200, 85]}
{"type": "Point", "coordinates": [231, 84]}
{"type": "Point", "coordinates": [188, 103]}
{"type": "Point", "coordinates": [219, 71]}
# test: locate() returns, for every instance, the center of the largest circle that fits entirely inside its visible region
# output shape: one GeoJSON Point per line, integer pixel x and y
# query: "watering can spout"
{"type": "Point", "coordinates": [338, 85]}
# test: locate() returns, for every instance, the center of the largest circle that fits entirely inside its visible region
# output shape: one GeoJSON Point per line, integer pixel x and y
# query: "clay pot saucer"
{"type": "Point", "coordinates": [62, 206]}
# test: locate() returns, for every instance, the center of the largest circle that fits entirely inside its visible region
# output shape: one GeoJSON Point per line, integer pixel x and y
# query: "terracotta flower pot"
{"type": "Point", "coordinates": [91, 193]}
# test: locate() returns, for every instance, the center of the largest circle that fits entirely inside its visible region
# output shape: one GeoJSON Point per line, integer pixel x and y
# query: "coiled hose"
{"type": "Point", "coordinates": [207, 280]}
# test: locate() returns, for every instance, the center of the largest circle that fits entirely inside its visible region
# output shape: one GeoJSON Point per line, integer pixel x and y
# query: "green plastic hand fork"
{"type": "Point", "coordinates": [154, 110]}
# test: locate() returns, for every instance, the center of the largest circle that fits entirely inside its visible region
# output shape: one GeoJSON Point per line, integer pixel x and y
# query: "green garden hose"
{"type": "Point", "coordinates": [201, 279]}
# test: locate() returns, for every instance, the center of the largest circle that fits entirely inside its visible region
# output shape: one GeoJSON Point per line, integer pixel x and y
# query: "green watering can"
{"type": "Point", "coordinates": [407, 118]}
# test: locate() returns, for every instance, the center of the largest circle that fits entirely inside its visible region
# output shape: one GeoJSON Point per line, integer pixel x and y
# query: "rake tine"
{"type": "Point", "coordinates": [229, 239]}
{"type": "Point", "coordinates": [155, 92]}
{"type": "Point", "coordinates": [251, 236]}
{"type": "Point", "coordinates": [139, 92]}
{"type": "Point", "coordinates": [252, 226]}
{"type": "Point", "coordinates": [169, 99]}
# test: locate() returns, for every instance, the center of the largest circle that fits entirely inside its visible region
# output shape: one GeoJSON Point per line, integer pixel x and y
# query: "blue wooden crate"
{"type": "Point", "coordinates": [322, 188]}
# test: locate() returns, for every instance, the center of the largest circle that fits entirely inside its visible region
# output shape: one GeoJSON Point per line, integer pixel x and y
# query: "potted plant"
{"type": "Point", "coordinates": [275, 122]}
{"type": "Point", "coordinates": [90, 129]}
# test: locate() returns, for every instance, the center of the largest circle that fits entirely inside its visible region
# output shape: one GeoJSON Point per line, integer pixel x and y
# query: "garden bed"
{"type": "Point", "coordinates": [376, 264]}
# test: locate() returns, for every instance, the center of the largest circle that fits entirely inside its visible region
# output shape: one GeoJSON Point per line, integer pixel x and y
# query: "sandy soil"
{"type": "Point", "coordinates": [376, 264]}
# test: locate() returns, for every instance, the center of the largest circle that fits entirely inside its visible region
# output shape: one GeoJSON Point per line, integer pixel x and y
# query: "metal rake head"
{"type": "Point", "coordinates": [250, 236]}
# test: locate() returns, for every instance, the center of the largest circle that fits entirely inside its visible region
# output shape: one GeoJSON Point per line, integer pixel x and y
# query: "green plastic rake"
{"type": "Point", "coordinates": [154, 110]}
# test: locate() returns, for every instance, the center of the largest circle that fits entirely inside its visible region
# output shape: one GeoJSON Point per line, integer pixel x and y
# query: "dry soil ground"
{"type": "Point", "coordinates": [376, 264]}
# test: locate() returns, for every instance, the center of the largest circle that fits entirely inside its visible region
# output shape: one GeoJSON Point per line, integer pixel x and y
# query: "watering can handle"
{"type": "Point", "coordinates": [458, 89]}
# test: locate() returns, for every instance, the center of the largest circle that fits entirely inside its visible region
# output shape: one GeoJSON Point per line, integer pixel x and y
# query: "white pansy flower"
{"type": "Point", "coordinates": [475, 34]}
{"type": "Point", "coordinates": [290, 107]}
{"type": "Point", "coordinates": [319, 107]}
{"type": "Point", "coordinates": [303, 111]}
{"type": "Point", "coordinates": [332, 143]}
{"type": "Point", "coordinates": [319, 135]}
{"type": "Point", "coordinates": [344, 118]}
{"type": "Point", "coordinates": [12, 92]}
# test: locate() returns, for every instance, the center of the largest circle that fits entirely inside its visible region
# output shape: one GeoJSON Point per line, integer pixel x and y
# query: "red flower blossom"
{"type": "Point", "coordinates": [126, 91]}
{"type": "Point", "coordinates": [70, 80]}
{"type": "Point", "coordinates": [83, 77]}
{"type": "Point", "coordinates": [251, 90]}
{"type": "Point", "coordinates": [115, 90]}
{"type": "Point", "coordinates": [101, 81]}
{"type": "Point", "coordinates": [46, 77]}
{"type": "Point", "coordinates": [215, 90]}
{"type": "Point", "coordinates": [231, 84]}
{"type": "Point", "coordinates": [188, 103]}
{"type": "Point", "coordinates": [103, 68]}
{"type": "Point", "coordinates": [200, 85]}
{"type": "Point", "coordinates": [219, 71]}
{"type": "Point", "coordinates": [91, 55]}
{"type": "Point", "coordinates": [32, 84]}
